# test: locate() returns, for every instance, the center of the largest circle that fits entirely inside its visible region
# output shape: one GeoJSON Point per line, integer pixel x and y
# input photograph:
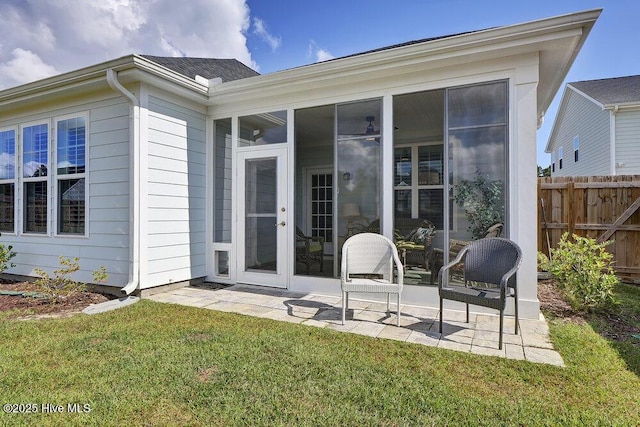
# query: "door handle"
{"type": "Point", "coordinates": [281, 223]}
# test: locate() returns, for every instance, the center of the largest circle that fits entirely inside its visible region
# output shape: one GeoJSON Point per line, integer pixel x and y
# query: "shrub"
{"type": "Point", "coordinates": [583, 270]}
{"type": "Point", "coordinates": [6, 254]}
{"type": "Point", "coordinates": [61, 285]}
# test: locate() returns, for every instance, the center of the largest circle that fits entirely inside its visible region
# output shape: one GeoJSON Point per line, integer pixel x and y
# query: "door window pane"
{"type": "Point", "coordinates": [261, 214]}
{"type": "Point", "coordinates": [402, 163]}
{"type": "Point", "coordinates": [430, 164]}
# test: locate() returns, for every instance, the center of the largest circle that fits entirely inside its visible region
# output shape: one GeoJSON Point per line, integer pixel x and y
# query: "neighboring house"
{"type": "Point", "coordinates": [597, 129]}
{"type": "Point", "coordinates": [167, 170]}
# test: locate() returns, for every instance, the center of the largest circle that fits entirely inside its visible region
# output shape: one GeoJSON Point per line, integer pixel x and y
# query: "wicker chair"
{"type": "Point", "coordinates": [309, 249]}
{"type": "Point", "coordinates": [492, 260]}
{"type": "Point", "coordinates": [368, 261]}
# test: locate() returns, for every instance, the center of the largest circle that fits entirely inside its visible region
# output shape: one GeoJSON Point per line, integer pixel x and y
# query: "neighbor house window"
{"type": "Point", "coordinates": [560, 158]}
{"type": "Point", "coordinates": [553, 162]}
{"type": "Point", "coordinates": [70, 170]}
{"type": "Point", "coordinates": [576, 146]}
{"type": "Point", "coordinates": [35, 166]}
{"type": "Point", "coordinates": [7, 180]}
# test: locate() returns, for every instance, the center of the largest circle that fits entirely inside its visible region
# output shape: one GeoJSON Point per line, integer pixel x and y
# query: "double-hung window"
{"type": "Point", "coordinates": [7, 179]}
{"type": "Point", "coordinates": [70, 175]}
{"type": "Point", "coordinates": [35, 167]}
{"type": "Point", "coordinates": [418, 182]}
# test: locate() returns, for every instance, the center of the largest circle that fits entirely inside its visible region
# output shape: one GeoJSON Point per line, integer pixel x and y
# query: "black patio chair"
{"type": "Point", "coordinates": [492, 261]}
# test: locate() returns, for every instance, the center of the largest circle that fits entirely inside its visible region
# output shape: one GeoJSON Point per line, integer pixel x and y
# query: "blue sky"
{"type": "Point", "coordinates": [40, 38]}
{"type": "Point", "coordinates": [300, 30]}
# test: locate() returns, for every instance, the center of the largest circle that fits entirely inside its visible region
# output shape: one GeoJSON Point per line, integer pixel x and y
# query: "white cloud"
{"type": "Point", "coordinates": [260, 29]}
{"type": "Point", "coordinates": [318, 53]}
{"type": "Point", "coordinates": [323, 55]}
{"type": "Point", "coordinates": [24, 66]}
{"type": "Point", "coordinates": [65, 35]}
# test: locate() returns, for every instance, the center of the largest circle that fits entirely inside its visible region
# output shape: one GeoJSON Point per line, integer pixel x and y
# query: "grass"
{"type": "Point", "coordinates": [159, 364]}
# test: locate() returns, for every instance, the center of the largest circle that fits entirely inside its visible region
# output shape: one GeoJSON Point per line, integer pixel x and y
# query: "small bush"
{"type": "Point", "coordinates": [583, 270]}
{"type": "Point", "coordinates": [6, 254]}
{"type": "Point", "coordinates": [61, 285]}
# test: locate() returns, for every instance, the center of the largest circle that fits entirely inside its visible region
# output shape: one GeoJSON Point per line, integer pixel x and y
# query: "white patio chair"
{"type": "Point", "coordinates": [368, 261]}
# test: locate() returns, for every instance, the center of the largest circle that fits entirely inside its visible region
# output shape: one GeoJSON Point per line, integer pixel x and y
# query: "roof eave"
{"type": "Point", "coordinates": [130, 67]}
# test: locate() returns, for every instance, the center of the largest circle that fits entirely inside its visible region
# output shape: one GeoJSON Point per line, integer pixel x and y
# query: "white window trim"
{"type": "Point", "coordinates": [85, 175]}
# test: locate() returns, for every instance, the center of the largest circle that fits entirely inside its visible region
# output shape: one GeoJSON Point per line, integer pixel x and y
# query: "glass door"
{"type": "Point", "coordinates": [262, 220]}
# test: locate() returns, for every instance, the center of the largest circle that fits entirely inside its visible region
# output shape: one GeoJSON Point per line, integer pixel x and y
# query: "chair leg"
{"type": "Point", "coordinates": [467, 313]}
{"type": "Point", "coordinates": [345, 301]}
{"type": "Point", "coordinates": [501, 325]}
{"type": "Point", "coordinates": [440, 315]}
{"type": "Point", "coordinates": [516, 302]}
{"type": "Point", "coordinates": [398, 310]}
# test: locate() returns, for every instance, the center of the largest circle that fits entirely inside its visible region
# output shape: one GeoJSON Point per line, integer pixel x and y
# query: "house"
{"type": "Point", "coordinates": [597, 129]}
{"type": "Point", "coordinates": [171, 170]}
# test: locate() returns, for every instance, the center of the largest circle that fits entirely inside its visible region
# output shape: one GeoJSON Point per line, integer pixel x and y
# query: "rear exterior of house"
{"type": "Point", "coordinates": [168, 170]}
{"type": "Point", "coordinates": [597, 129]}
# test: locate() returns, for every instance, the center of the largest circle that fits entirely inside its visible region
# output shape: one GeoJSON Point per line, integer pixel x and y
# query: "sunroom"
{"type": "Point", "coordinates": [429, 143]}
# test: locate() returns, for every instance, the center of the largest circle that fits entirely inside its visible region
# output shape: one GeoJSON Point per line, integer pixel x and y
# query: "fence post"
{"type": "Point", "coordinates": [570, 208]}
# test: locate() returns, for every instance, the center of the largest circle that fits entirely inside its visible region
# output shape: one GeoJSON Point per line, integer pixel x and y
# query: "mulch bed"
{"type": "Point", "coordinates": [21, 306]}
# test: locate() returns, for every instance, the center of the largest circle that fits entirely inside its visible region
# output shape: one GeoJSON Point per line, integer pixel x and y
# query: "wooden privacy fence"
{"type": "Point", "coordinates": [600, 207]}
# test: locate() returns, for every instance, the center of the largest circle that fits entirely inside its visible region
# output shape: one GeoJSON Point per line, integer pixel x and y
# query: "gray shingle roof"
{"type": "Point", "coordinates": [616, 90]}
{"type": "Point", "coordinates": [209, 68]}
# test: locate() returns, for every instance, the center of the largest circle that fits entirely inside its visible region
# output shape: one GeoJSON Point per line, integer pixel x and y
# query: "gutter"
{"type": "Point", "coordinates": [134, 182]}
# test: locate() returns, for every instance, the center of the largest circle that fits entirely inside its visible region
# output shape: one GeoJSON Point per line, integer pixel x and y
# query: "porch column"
{"type": "Point", "coordinates": [523, 190]}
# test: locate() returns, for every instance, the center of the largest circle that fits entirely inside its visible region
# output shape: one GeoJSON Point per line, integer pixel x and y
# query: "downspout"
{"type": "Point", "coordinates": [612, 139]}
{"type": "Point", "coordinates": [134, 182]}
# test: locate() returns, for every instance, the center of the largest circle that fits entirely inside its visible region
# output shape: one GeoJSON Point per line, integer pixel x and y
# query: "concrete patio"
{"type": "Point", "coordinates": [419, 325]}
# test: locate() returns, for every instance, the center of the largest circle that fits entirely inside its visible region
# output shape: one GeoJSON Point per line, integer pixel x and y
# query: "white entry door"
{"type": "Point", "coordinates": [263, 217]}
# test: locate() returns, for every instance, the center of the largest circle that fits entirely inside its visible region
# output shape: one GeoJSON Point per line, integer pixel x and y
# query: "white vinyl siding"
{"type": "Point", "coordinates": [581, 116]}
{"type": "Point", "coordinates": [107, 197]}
{"type": "Point", "coordinates": [176, 193]}
{"type": "Point", "coordinates": [628, 142]}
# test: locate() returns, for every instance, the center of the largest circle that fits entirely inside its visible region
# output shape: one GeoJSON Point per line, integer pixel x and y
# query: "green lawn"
{"type": "Point", "coordinates": [158, 364]}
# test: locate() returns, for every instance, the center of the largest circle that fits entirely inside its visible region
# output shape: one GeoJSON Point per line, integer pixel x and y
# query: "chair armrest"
{"type": "Point", "coordinates": [505, 278]}
{"type": "Point", "coordinates": [451, 264]}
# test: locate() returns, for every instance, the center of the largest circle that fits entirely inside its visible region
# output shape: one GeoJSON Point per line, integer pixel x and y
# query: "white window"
{"type": "Point", "coordinates": [35, 171]}
{"type": "Point", "coordinates": [560, 158]}
{"type": "Point", "coordinates": [70, 174]}
{"type": "Point", "coordinates": [576, 147]}
{"type": "Point", "coordinates": [7, 180]}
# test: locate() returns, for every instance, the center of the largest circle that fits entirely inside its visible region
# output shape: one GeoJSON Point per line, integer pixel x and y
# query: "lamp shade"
{"type": "Point", "coordinates": [350, 209]}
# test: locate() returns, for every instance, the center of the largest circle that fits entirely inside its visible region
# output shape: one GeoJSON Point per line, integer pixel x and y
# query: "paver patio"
{"type": "Point", "coordinates": [419, 325]}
